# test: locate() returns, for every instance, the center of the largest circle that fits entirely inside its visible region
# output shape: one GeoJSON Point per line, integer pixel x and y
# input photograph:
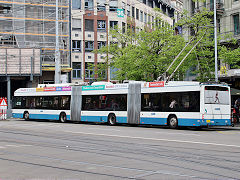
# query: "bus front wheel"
{"type": "Point", "coordinates": [62, 117]}
{"type": "Point", "coordinates": [111, 119]}
{"type": "Point", "coordinates": [173, 122]}
{"type": "Point", "coordinates": [26, 116]}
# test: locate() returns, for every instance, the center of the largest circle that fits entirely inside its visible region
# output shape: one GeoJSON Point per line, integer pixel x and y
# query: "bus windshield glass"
{"type": "Point", "coordinates": [216, 95]}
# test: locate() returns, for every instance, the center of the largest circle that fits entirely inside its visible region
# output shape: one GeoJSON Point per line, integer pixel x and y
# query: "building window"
{"type": "Point", "coordinates": [76, 4]}
{"type": "Point", "coordinates": [5, 9]}
{"type": "Point", "coordinates": [89, 70]}
{"type": "Point", "coordinates": [145, 17]}
{"type": "Point", "coordinates": [113, 5]}
{"type": "Point", "coordinates": [137, 14]}
{"type": "Point", "coordinates": [89, 46]}
{"type": "Point", "coordinates": [101, 5]}
{"type": "Point", "coordinates": [77, 70]}
{"type": "Point", "coordinates": [101, 25]}
{"type": "Point", "coordinates": [133, 12]}
{"type": "Point", "coordinates": [236, 24]}
{"type": "Point", "coordinates": [76, 24]}
{"type": "Point", "coordinates": [88, 25]}
{"type": "Point", "coordinates": [123, 7]}
{"type": "Point", "coordinates": [150, 4]}
{"type": "Point", "coordinates": [76, 45]}
{"type": "Point", "coordinates": [123, 27]}
{"type": "Point", "coordinates": [113, 75]}
{"type": "Point", "coordinates": [128, 10]}
{"type": "Point", "coordinates": [141, 16]}
{"type": "Point", "coordinates": [89, 5]}
{"type": "Point", "coordinates": [113, 24]}
{"type": "Point", "coordinates": [219, 25]}
{"type": "Point", "coordinates": [101, 44]}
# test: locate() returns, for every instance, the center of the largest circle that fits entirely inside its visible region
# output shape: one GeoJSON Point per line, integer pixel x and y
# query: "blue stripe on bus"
{"type": "Point", "coordinates": [94, 118]}
{"type": "Point", "coordinates": [155, 121]}
{"type": "Point", "coordinates": [17, 115]}
{"type": "Point", "coordinates": [188, 122]}
{"type": "Point", "coordinates": [121, 119]}
{"type": "Point", "coordinates": [40, 116]}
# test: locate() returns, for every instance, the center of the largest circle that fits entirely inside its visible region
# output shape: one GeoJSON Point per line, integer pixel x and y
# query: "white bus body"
{"type": "Point", "coordinates": [176, 103]}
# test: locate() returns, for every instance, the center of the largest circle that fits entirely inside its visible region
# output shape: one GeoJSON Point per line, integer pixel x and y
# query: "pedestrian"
{"type": "Point", "coordinates": [236, 107]}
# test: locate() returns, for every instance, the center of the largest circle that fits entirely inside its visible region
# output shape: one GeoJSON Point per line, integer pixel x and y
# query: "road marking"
{"type": "Point", "coordinates": [105, 129]}
{"type": "Point", "coordinates": [12, 145]}
{"type": "Point", "coordinates": [156, 139]}
{"type": "Point", "coordinates": [179, 133]}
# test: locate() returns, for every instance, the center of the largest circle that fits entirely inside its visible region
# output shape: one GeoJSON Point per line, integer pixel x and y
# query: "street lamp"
{"type": "Point", "coordinates": [57, 54]}
{"type": "Point", "coordinates": [215, 41]}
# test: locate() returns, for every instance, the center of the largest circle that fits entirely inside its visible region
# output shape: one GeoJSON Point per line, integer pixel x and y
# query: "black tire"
{"type": "Point", "coordinates": [111, 119]}
{"type": "Point", "coordinates": [173, 122]}
{"type": "Point", "coordinates": [26, 115]}
{"type": "Point", "coordinates": [62, 117]}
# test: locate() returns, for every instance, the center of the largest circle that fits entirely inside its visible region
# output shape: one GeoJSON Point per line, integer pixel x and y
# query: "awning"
{"type": "Point", "coordinates": [235, 91]}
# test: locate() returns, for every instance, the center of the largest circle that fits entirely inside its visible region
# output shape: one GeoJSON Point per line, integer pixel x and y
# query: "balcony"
{"type": "Point", "coordinates": [219, 7]}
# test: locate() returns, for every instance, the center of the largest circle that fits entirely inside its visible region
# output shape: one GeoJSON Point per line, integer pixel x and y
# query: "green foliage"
{"type": "Point", "coordinates": [146, 54]}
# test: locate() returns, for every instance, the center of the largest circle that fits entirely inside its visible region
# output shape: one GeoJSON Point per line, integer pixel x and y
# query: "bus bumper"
{"type": "Point", "coordinates": [216, 122]}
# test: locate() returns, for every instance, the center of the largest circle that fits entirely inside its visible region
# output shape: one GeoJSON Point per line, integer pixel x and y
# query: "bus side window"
{"type": "Point", "coordinates": [56, 102]}
{"type": "Point", "coordinates": [38, 102]}
{"type": "Point", "coordinates": [65, 102]}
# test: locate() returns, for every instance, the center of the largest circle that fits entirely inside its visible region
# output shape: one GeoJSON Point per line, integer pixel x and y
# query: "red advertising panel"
{"type": "Point", "coordinates": [156, 84]}
{"type": "Point", "coordinates": [49, 88]}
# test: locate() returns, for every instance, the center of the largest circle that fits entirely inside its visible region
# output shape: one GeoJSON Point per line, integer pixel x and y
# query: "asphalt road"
{"type": "Point", "coordinates": [49, 150]}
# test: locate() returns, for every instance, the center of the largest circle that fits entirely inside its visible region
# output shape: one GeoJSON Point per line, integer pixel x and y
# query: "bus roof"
{"type": "Point", "coordinates": [63, 90]}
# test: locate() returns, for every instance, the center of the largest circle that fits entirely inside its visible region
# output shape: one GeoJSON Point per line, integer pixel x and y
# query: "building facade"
{"type": "Point", "coordinates": [92, 20]}
{"type": "Point", "coordinates": [27, 42]}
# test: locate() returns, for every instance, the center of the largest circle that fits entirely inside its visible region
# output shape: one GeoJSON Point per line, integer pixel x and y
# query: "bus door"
{"type": "Point", "coordinates": [216, 105]}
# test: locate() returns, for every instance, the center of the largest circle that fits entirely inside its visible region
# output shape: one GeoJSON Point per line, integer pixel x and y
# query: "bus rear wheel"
{"type": "Point", "coordinates": [111, 119]}
{"type": "Point", "coordinates": [173, 122]}
{"type": "Point", "coordinates": [62, 117]}
{"type": "Point", "coordinates": [26, 116]}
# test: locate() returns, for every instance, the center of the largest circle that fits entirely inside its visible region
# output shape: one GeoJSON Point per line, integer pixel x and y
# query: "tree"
{"type": "Point", "coordinates": [228, 51]}
{"type": "Point", "coordinates": [146, 54]}
{"type": "Point", "coordinates": [143, 55]}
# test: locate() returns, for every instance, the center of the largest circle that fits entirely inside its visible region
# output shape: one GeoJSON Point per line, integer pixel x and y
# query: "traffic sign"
{"type": "Point", "coordinates": [3, 108]}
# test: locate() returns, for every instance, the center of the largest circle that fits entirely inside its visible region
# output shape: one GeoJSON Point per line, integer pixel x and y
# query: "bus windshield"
{"type": "Point", "coordinates": [216, 95]}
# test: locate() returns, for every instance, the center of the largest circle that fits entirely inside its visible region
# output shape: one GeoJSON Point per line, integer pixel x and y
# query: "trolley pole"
{"type": "Point", "coordinates": [57, 54]}
{"type": "Point", "coordinates": [215, 41]}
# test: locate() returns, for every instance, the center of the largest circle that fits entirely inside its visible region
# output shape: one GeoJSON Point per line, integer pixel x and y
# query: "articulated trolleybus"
{"type": "Point", "coordinates": [174, 104]}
